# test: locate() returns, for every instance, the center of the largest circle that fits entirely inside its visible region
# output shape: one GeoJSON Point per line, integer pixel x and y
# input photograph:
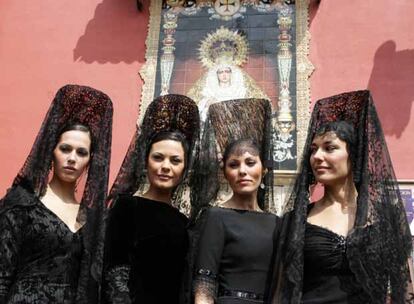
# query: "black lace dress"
{"type": "Point", "coordinates": [235, 252]}
{"type": "Point", "coordinates": [145, 252]}
{"type": "Point", "coordinates": [327, 276]}
{"type": "Point", "coordinates": [39, 254]}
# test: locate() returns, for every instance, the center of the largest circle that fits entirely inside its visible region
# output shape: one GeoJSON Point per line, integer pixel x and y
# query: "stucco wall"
{"type": "Point", "coordinates": [47, 44]}
{"type": "Point", "coordinates": [369, 44]}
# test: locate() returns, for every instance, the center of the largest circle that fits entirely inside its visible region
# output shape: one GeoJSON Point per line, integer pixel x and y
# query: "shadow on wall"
{"type": "Point", "coordinates": [392, 86]}
{"type": "Point", "coordinates": [116, 34]}
{"type": "Point", "coordinates": [313, 9]}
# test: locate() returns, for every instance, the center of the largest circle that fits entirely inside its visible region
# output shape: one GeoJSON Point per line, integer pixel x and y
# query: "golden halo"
{"type": "Point", "coordinates": [223, 45]}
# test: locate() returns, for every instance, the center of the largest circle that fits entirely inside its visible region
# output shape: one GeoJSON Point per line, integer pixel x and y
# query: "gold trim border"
{"type": "Point", "coordinates": [148, 71]}
{"type": "Point", "coordinates": [304, 69]}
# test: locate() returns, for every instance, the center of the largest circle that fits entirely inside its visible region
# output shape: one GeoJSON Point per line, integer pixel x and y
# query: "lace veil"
{"type": "Point", "coordinates": [166, 113]}
{"type": "Point", "coordinates": [228, 121]}
{"type": "Point", "coordinates": [380, 243]}
{"type": "Point", "coordinates": [75, 104]}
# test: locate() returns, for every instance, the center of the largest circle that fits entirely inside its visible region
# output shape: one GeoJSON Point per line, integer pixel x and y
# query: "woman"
{"type": "Point", "coordinates": [236, 243]}
{"type": "Point", "coordinates": [353, 245]}
{"type": "Point", "coordinates": [146, 234]}
{"type": "Point", "coordinates": [50, 242]}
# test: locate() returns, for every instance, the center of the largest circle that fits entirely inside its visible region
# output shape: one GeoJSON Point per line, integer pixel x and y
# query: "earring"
{"type": "Point", "coordinates": [262, 184]}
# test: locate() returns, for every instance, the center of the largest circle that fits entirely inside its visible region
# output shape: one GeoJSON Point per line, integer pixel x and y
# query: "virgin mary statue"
{"type": "Point", "coordinates": [223, 52]}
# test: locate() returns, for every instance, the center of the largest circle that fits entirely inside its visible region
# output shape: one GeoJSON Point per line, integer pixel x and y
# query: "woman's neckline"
{"type": "Point", "coordinates": [58, 218]}
{"type": "Point", "coordinates": [330, 231]}
{"type": "Point", "coordinates": [152, 201]}
{"type": "Point", "coordinates": [310, 206]}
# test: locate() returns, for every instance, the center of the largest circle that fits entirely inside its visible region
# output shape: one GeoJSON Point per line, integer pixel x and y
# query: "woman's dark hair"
{"type": "Point", "coordinates": [345, 132]}
{"type": "Point", "coordinates": [77, 127]}
{"type": "Point", "coordinates": [239, 147]}
{"type": "Point", "coordinates": [169, 135]}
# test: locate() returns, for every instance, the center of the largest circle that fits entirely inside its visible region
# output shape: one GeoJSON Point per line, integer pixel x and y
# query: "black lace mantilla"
{"type": "Point", "coordinates": [166, 113]}
{"type": "Point", "coordinates": [380, 244]}
{"type": "Point", "coordinates": [75, 104]}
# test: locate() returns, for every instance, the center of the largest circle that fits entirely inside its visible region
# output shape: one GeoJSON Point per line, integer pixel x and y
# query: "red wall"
{"type": "Point", "coordinates": [45, 44]}
{"type": "Point", "coordinates": [359, 44]}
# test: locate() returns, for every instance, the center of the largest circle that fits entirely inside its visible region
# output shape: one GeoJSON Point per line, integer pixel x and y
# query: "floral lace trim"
{"type": "Point", "coordinates": [117, 290]}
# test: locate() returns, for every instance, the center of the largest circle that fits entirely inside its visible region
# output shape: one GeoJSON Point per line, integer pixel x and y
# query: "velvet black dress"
{"type": "Point", "coordinates": [327, 276]}
{"type": "Point", "coordinates": [146, 247]}
{"type": "Point", "coordinates": [39, 254]}
{"type": "Point", "coordinates": [235, 253]}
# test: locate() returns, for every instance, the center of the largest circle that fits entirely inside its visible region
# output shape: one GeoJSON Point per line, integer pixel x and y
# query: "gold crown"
{"type": "Point", "coordinates": [223, 46]}
{"type": "Point", "coordinates": [223, 54]}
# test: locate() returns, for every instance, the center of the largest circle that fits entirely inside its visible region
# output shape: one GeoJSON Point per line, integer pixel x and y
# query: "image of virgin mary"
{"type": "Point", "coordinates": [223, 53]}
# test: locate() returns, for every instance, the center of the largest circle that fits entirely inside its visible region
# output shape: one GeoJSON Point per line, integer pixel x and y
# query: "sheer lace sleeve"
{"type": "Point", "coordinates": [11, 232]}
{"type": "Point", "coordinates": [118, 246]}
{"type": "Point", "coordinates": [208, 261]}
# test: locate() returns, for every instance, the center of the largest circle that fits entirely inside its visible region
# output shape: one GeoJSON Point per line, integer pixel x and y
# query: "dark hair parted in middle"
{"type": "Point", "coordinates": [78, 127]}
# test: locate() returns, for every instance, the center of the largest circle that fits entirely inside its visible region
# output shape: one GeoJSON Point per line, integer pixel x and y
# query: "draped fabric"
{"type": "Point", "coordinates": [380, 243]}
{"type": "Point", "coordinates": [327, 277]}
{"type": "Point", "coordinates": [92, 108]}
{"type": "Point", "coordinates": [226, 121]}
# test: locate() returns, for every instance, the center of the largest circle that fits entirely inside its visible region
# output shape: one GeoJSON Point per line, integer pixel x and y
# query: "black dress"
{"type": "Point", "coordinates": [235, 252]}
{"type": "Point", "coordinates": [145, 252]}
{"type": "Point", "coordinates": [327, 276]}
{"type": "Point", "coordinates": [39, 254]}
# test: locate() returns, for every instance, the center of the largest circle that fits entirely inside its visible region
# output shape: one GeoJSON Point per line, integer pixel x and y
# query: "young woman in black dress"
{"type": "Point", "coordinates": [51, 242]}
{"type": "Point", "coordinates": [235, 245]}
{"type": "Point", "coordinates": [354, 244]}
{"type": "Point", "coordinates": [147, 241]}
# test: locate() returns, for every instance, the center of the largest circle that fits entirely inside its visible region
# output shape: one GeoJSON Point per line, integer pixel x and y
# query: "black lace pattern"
{"type": "Point", "coordinates": [117, 288]}
{"type": "Point", "coordinates": [39, 255]}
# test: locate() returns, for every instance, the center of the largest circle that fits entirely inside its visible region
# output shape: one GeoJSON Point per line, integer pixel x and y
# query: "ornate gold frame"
{"type": "Point", "coordinates": [304, 69]}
